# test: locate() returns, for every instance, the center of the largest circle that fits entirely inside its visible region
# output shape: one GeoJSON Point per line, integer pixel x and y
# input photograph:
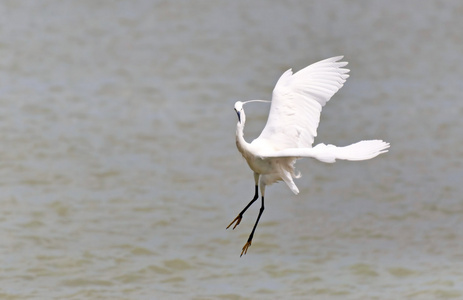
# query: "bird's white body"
{"type": "Point", "coordinates": [270, 169]}
{"type": "Point", "coordinates": [297, 101]}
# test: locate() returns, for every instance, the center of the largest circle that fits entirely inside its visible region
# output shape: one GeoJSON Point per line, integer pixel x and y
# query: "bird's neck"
{"type": "Point", "coordinates": [241, 144]}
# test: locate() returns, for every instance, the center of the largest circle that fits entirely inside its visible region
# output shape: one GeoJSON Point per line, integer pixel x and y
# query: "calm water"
{"type": "Point", "coordinates": [119, 171]}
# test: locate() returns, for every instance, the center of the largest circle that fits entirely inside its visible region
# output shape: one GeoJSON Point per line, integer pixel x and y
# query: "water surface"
{"type": "Point", "coordinates": [119, 171]}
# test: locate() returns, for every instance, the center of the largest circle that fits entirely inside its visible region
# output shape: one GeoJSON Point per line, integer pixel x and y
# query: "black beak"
{"type": "Point", "coordinates": [239, 118]}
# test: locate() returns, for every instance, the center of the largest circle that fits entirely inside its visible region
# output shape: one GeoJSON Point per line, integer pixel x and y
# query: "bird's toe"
{"type": "Point", "coordinates": [245, 248]}
{"type": "Point", "coordinates": [237, 220]}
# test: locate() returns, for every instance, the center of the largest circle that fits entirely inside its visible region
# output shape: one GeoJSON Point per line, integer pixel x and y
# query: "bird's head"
{"type": "Point", "coordinates": [239, 109]}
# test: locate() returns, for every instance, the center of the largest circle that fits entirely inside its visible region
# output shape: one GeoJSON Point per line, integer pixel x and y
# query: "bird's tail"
{"type": "Point", "coordinates": [362, 150]}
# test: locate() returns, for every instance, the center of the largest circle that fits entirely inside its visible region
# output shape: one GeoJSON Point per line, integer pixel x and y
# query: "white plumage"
{"type": "Point", "coordinates": [297, 102]}
{"type": "Point", "coordinates": [291, 127]}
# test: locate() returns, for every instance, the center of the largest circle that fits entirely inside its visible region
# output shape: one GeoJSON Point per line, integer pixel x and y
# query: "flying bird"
{"type": "Point", "coordinates": [295, 108]}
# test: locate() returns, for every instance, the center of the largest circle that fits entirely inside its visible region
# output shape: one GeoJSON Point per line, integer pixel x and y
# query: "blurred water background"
{"type": "Point", "coordinates": [119, 171]}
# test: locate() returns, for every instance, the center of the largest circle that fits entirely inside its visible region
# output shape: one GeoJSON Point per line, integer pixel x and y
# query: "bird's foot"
{"type": "Point", "coordinates": [237, 220]}
{"type": "Point", "coordinates": [245, 248]}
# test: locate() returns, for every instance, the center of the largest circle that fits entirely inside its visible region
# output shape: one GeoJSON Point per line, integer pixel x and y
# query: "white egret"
{"type": "Point", "coordinates": [297, 101]}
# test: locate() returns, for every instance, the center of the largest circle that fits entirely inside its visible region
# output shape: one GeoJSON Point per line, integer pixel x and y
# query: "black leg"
{"type": "Point", "coordinates": [240, 215]}
{"type": "Point", "coordinates": [248, 243]}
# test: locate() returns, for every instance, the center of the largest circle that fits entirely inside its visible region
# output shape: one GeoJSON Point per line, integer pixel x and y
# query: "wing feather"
{"type": "Point", "coordinates": [362, 150]}
{"type": "Point", "coordinates": [297, 102]}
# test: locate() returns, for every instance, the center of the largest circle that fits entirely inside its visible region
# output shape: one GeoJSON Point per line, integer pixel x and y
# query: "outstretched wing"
{"type": "Point", "coordinates": [362, 150]}
{"type": "Point", "coordinates": [297, 102]}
